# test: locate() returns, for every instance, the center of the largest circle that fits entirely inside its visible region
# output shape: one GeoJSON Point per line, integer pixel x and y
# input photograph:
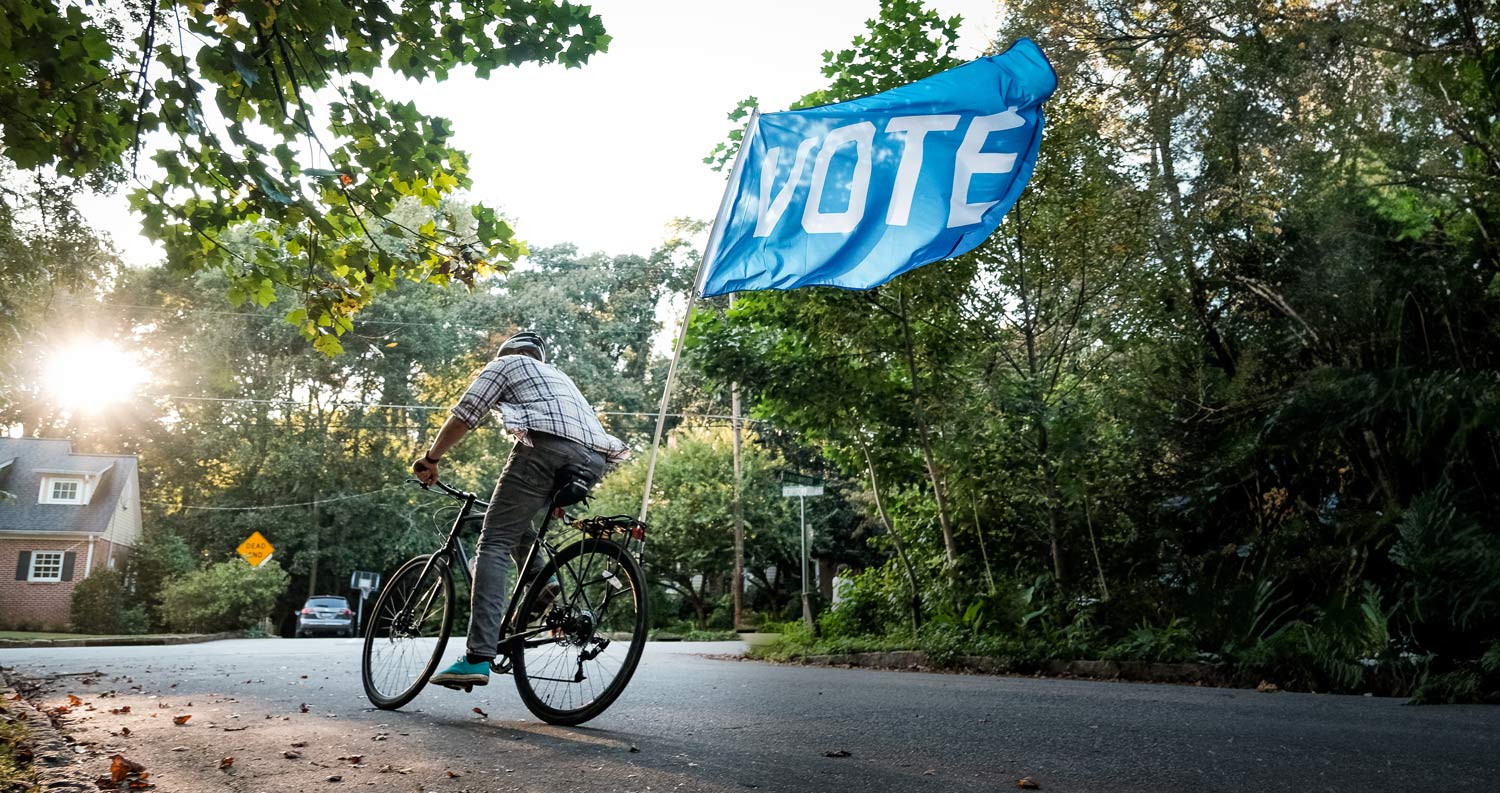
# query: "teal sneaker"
{"type": "Point", "coordinates": [463, 675]}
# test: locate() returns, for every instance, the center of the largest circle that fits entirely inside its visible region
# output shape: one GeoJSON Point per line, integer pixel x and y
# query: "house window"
{"type": "Point", "coordinates": [46, 566]}
{"type": "Point", "coordinates": [60, 490]}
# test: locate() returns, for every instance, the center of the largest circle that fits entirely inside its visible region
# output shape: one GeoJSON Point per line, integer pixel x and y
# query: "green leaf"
{"type": "Point", "coordinates": [328, 345]}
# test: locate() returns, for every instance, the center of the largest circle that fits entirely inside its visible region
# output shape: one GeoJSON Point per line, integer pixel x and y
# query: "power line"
{"type": "Point", "coordinates": [273, 506]}
{"type": "Point", "coordinates": [249, 400]}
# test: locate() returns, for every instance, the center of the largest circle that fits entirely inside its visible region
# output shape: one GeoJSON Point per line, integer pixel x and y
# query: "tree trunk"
{"type": "Point", "coordinates": [890, 528]}
{"type": "Point", "coordinates": [1034, 366]}
{"type": "Point", "coordinates": [1183, 244]}
{"type": "Point", "coordinates": [950, 547]}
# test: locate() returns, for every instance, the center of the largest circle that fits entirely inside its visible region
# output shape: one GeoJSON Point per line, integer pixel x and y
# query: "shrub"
{"type": "Point", "coordinates": [160, 558]}
{"type": "Point", "coordinates": [99, 605]}
{"type": "Point", "coordinates": [866, 607]}
{"type": "Point", "coordinates": [1334, 651]}
{"type": "Point", "coordinates": [227, 596]}
{"type": "Point", "coordinates": [1172, 642]}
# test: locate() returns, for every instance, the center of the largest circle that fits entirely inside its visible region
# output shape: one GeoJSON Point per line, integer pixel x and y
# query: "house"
{"type": "Point", "coordinates": [69, 515]}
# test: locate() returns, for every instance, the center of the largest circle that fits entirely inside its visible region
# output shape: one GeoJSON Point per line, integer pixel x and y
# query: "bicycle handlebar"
{"type": "Point", "coordinates": [447, 489]}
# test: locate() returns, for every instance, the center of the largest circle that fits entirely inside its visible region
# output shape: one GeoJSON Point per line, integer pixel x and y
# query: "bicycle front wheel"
{"type": "Point", "coordinates": [584, 627]}
{"type": "Point", "coordinates": [407, 632]}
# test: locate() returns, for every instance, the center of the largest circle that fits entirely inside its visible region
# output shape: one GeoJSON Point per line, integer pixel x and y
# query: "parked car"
{"type": "Point", "coordinates": [327, 614]}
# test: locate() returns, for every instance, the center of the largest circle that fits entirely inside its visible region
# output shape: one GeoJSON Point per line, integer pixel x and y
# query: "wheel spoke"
{"type": "Point", "coordinates": [408, 629]}
{"type": "Point", "coordinates": [598, 622]}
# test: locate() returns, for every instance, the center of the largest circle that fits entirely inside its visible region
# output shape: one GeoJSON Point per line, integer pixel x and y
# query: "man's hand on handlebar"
{"type": "Point", "coordinates": [426, 469]}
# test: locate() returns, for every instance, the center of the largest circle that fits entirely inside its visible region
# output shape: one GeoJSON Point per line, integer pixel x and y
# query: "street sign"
{"type": "Point", "coordinates": [800, 486]}
{"type": "Point", "coordinates": [365, 581]}
{"type": "Point", "coordinates": [255, 549]}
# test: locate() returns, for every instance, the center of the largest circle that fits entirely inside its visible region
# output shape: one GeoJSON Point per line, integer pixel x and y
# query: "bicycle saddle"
{"type": "Point", "coordinates": [572, 485]}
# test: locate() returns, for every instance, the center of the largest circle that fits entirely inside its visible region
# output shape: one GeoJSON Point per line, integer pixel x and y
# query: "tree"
{"type": "Point", "coordinates": [221, 98]}
{"type": "Point", "coordinates": [689, 546]}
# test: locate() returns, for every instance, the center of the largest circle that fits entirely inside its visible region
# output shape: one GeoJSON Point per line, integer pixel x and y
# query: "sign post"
{"type": "Point", "coordinates": [256, 549]}
{"type": "Point", "coordinates": [800, 487]}
{"type": "Point", "coordinates": [366, 582]}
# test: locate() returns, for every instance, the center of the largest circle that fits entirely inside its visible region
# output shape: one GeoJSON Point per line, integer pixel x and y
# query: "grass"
{"type": "Point", "coordinates": [16, 775]}
{"type": "Point", "coordinates": [30, 635]}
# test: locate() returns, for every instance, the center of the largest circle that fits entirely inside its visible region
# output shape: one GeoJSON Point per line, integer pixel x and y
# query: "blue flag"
{"type": "Point", "coordinates": [856, 193]}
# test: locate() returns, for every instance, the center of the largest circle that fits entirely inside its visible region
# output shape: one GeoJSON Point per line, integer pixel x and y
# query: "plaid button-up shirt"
{"type": "Point", "coordinates": [536, 397]}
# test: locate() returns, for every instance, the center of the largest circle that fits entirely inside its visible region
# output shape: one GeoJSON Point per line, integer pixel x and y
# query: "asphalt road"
{"type": "Point", "coordinates": [704, 724]}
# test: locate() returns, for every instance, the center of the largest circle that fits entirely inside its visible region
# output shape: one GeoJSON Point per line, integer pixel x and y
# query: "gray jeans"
{"type": "Point", "coordinates": [523, 490]}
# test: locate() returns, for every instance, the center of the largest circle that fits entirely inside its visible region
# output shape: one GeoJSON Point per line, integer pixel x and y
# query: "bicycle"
{"type": "Point", "coordinates": [566, 654]}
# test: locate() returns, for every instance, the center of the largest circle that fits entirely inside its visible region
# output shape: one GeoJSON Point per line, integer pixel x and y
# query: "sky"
{"type": "Point", "coordinates": [605, 156]}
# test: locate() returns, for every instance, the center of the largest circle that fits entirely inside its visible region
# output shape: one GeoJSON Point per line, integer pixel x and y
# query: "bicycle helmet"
{"type": "Point", "coordinates": [524, 342]}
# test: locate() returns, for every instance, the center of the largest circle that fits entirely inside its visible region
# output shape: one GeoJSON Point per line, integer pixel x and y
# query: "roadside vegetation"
{"type": "Point", "coordinates": [1222, 389]}
{"type": "Point", "coordinates": [16, 774]}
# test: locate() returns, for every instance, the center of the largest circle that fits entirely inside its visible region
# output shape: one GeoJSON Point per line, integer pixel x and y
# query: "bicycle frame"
{"type": "Point", "coordinates": [452, 547]}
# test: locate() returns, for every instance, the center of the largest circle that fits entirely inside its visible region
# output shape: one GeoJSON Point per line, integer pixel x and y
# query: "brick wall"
{"type": "Point", "coordinates": [32, 604]}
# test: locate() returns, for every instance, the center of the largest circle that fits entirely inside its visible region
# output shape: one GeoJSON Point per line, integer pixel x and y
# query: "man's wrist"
{"type": "Point", "coordinates": [429, 459]}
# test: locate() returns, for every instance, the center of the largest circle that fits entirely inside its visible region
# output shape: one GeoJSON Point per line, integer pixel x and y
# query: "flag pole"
{"type": "Point", "coordinates": [704, 264]}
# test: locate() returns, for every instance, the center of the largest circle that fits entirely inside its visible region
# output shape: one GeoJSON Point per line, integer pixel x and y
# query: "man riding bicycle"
{"type": "Point", "coordinates": [553, 426]}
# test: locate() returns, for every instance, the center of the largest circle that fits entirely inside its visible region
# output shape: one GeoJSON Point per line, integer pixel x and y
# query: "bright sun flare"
{"type": "Point", "coordinates": [93, 375]}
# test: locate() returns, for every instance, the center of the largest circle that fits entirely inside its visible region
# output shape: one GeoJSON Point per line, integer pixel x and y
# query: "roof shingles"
{"type": "Point", "coordinates": [23, 478]}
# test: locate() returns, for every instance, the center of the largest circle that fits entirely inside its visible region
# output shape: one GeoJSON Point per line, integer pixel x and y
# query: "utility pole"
{"type": "Point", "coordinates": [312, 570]}
{"type": "Point", "coordinates": [739, 505]}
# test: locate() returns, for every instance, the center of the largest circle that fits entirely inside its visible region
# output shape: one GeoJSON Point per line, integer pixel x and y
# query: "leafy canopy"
{"type": "Point", "coordinates": [264, 114]}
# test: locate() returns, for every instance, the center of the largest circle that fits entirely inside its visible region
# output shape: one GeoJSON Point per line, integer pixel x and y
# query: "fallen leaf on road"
{"type": "Point", "coordinates": [119, 768]}
{"type": "Point", "coordinates": [454, 774]}
{"type": "Point", "coordinates": [74, 701]}
{"type": "Point", "coordinates": [1028, 783]}
{"type": "Point", "coordinates": [481, 713]}
{"type": "Point", "coordinates": [1267, 687]}
{"type": "Point", "coordinates": [298, 744]}
{"type": "Point", "coordinates": [235, 729]}
{"type": "Point", "coordinates": [179, 748]}
{"type": "Point", "coordinates": [226, 764]}
{"type": "Point", "coordinates": [634, 749]}
{"type": "Point", "coordinates": [125, 732]}
{"type": "Point", "coordinates": [183, 719]}
{"type": "Point", "coordinates": [120, 711]}
{"type": "Point", "coordinates": [838, 753]}
{"type": "Point", "coordinates": [302, 707]}
{"type": "Point", "coordinates": [336, 778]}
{"type": "Point", "coordinates": [353, 758]}
{"type": "Point", "coordinates": [291, 754]}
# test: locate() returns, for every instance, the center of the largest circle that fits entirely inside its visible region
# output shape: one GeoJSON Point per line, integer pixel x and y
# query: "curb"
{"type": "Point", "coordinates": [123, 641]}
{"type": "Point", "coordinates": [53, 760]}
{"type": "Point", "coordinates": [1136, 671]}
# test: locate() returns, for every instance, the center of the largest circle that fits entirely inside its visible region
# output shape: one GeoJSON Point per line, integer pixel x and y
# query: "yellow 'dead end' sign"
{"type": "Point", "coordinates": [255, 549]}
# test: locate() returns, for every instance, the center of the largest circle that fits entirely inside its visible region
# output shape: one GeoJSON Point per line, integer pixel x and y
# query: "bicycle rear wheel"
{"type": "Point", "coordinates": [407, 632]}
{"type": "Point", "coordinates": [591, 628]}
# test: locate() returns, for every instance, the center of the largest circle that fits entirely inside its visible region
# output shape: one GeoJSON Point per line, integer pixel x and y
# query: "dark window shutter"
{"type": "Point", "coordinates": [23, 566]}
{"type": "Point", "coordinates": [67, 571]}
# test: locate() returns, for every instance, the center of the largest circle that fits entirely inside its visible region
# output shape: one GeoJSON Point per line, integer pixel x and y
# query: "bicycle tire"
{"type": "Point", "coordinates": [380, 628]}
{"type": "Point", "coordinates": [635, 580]}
